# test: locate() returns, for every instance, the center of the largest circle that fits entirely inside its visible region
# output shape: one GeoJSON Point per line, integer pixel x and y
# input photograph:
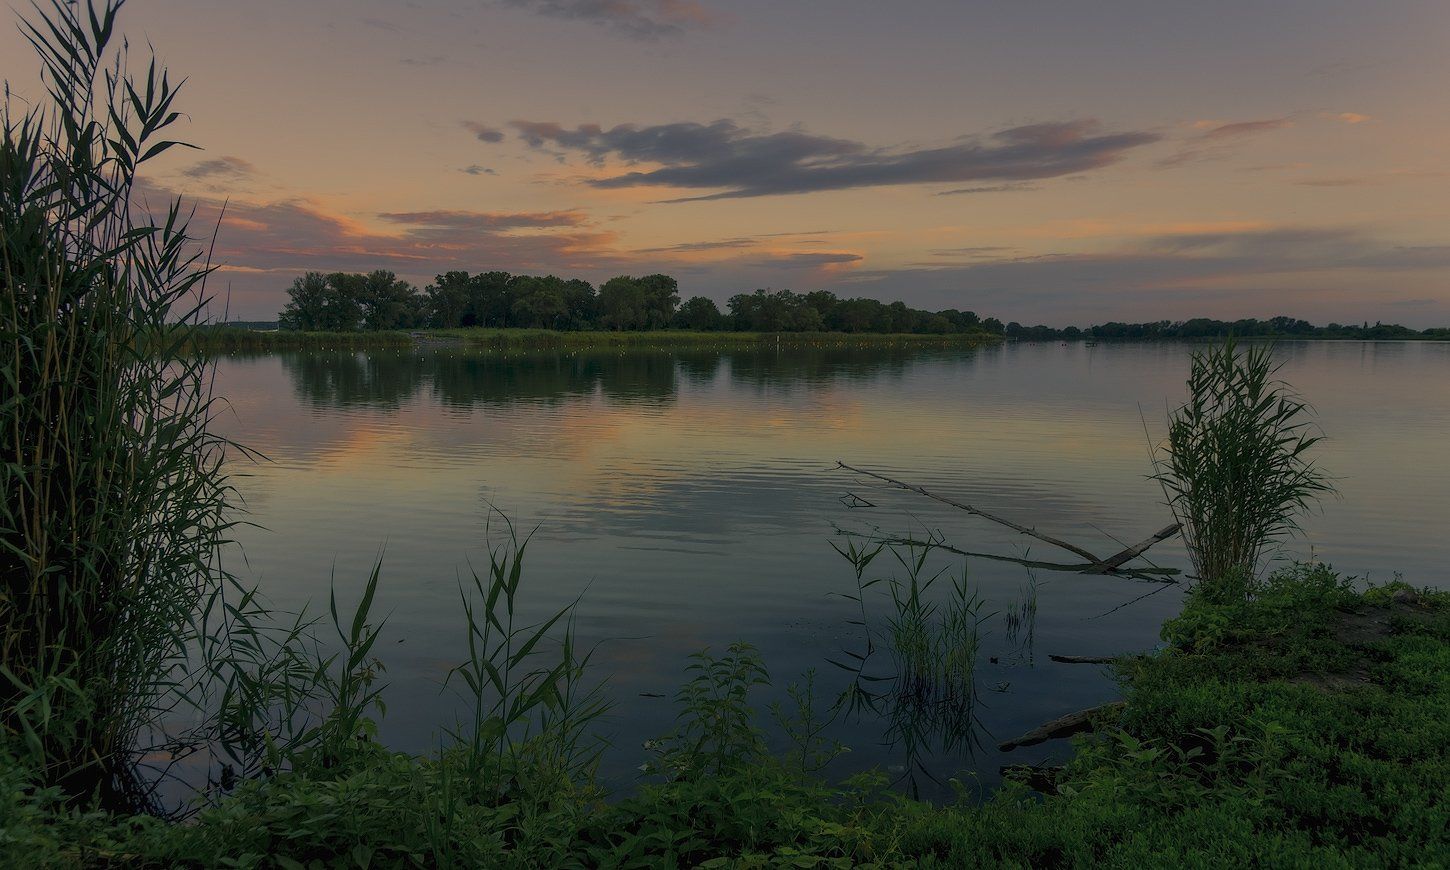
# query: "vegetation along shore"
{"type": "Point", "coordinates": [495, 307]}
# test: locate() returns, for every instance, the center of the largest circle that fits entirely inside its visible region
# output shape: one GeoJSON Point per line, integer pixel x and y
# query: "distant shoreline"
{"type": "Point", "coordinates": [229, 338]}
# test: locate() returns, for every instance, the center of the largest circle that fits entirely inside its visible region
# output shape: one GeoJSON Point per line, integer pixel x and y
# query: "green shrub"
{"type": "Point", "coordinates": [1235, 469]}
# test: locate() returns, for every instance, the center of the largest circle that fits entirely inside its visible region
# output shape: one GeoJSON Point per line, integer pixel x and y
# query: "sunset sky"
{"type": "Point", "coordinates": [1055, 162]}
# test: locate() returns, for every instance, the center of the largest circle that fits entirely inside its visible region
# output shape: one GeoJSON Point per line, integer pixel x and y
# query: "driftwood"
{"type": "Point", "coordinates": [1093, 565]}
{"type": "Point", "coordinates": [1137, 550]}
{"type": "Point", "coordinates": [1080, 567]}
{"type": "Point", "coordinates": [1062, 726]}
{"type": "Point", "coordinates": [976, 512]}
{"type": "Point", "coordinates": [1084, 660]}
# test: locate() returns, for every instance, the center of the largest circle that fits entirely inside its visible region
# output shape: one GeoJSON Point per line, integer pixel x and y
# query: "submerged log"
{"type": "Point", "coordinates": [1137, 550]}
{"type": "Point", "coordinates": [1062, 726]}
{"type": "Point", "coordinates": [1094, 565]}
{"type": "Point", "coordinates": [1084, 660]}
{"type": "Point", "coordinates": [1016, 527]}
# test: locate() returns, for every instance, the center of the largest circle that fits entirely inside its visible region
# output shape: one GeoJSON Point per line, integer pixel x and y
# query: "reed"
{"type": "Point", "coordinates": [530, 709]}
{"type": "Point", "coordinates": [114, 495]}
{"type": "Point", "coordinates": [1236, 469]}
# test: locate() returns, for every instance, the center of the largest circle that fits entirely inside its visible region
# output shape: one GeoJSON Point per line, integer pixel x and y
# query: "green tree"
{"type": "Point", "coordinates": [448, 299]}
{"type": "Point", "coordinates": [699, 313]}
{"type": "Point", "coordinates": [622, 304]}
{"type": "Point", "coordinates": [661, 296]}
{"type": "Point", "coordinates": [491, 298]}
{"type": "Point", "coordinates": [540, 302]}
{"type": "Point", "coordinates": [344, 309]}
{"type": "Point", "coordinates": [764, 311]}
{"type": "Point", "coordinates": [306, 304]}
{"type": "Point", "coordinates": [581, 302]}
{"type": "Point", "coordinates": [324, 303]}
{"type": "Point", "coordinates": [389, 303]}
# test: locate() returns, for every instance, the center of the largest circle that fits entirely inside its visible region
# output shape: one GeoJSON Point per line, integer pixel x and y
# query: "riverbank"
{"type": "Point", "coordinates": [1307, 726]}
{"type": "Point", "coordinates": [222, 339]}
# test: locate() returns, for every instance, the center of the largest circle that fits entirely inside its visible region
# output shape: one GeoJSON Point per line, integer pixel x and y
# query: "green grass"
{"type": "Point", "coordinates": [1272, 732]}
{"type": "Point", "coordinates": [226, 339]}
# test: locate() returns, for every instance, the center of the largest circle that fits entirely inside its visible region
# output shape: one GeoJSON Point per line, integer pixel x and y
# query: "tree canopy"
{"type": "Point", "coordinates": [348, 302]}
{"type": "Point", "coordinates": [379, 300]}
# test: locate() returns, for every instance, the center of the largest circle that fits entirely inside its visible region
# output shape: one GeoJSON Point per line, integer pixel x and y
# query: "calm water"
{"type": "Point", "coordinates": [689, 497]}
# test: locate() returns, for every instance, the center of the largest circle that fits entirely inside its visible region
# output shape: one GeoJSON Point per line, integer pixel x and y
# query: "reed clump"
{"type": "Point", "coordinates": [114, 498]}
{"type": "Point", "coordinates": [1236, 468]}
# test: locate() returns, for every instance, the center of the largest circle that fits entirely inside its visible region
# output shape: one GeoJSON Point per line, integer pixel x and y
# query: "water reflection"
{"type": "Point", "coordinates": [389, 378]}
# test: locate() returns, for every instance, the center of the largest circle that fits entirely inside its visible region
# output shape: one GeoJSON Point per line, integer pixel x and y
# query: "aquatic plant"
{"type": "Point", "coordinates": [1021, 618]}
{"type": "Point", "coordinates": [1235, 469]}
{"type": "Point", "coordinates": [114, 496]}
{"type": "Point", "coordinates": [927, 696]}
{"type": "Point", "coordinates": [526, 718]}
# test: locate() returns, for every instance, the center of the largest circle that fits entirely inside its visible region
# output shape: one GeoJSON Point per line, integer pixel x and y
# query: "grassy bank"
{"type": "Point", "coordinates": [222, 339]}
{"type": "Point", "coordinates": [1308, 725]}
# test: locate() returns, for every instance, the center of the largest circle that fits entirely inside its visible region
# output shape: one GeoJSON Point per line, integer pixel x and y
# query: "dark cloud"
{"type": "Point", "coordinates": [743, 163]}
{"type": "Point", "coordinates": [1217, 140]}
{"type": "Point", "coordinates": [752, 241]}
{"type": "Point", "coordinates": [475, 169]}
{"type": "Point", "coordinates": [810, 260]}
{"type": "Point", "coordinates": [484, 220]}
{"type": "Point", "coordinates": [992, 188]}
{"type": "Point", "coordinates": [973, 252]}
{"type": "Point", "coordinates": [1336, 182]}
{"type": "Point", "coordinates": [1277, 245]}
{"type": "Point", "coordinates": [220, 168]}
{"type": "Point", "coordinates": [637, 19]}
{"type": "Point", "coordinates": [712, 245]}
{"type": "Point", "coordinates": [483, 132]}
{"type": "Point", "coordinates": [1245, 128]}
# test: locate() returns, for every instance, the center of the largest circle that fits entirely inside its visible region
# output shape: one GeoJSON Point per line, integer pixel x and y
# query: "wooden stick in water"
{"type": "Point", "coordinates": [977, 512]}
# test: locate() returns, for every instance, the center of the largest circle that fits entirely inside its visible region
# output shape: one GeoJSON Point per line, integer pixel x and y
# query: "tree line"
{"type": "Point", "coordinates": [379, 300]}
{"type": "Point", "coordinates": [1206, 327]}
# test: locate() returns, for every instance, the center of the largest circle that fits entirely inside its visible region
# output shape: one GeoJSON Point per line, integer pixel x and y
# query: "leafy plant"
{"type": "Point", "coordinates": [114, 498]}
{"type": "Point", "coordinates": [810, 750]}
{"type": "Point", "coordinates": [520, 709]}
{"type": "Point", "coordinates": [1236, 469]}
{"type": "Point", "coordinates": [716, 730]}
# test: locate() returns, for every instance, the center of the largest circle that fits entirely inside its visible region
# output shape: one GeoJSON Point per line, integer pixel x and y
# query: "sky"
{"type": "Point", "coordinates": [1044, 161]}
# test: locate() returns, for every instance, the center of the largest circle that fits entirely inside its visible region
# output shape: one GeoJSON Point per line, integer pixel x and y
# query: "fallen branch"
{"type": "Point", "coordinates": [1062, 726]}
{"type": "Point", "coordinates": [1155, 574]}
{"type": "Point", "coordinates": [977, 512]}
{"type": "Point", "coordinates": [1137, 550]}
{"type": "Point", "coordinates": [1084, 660]}
{"type": "Point", "coordinates": [1094, 565]}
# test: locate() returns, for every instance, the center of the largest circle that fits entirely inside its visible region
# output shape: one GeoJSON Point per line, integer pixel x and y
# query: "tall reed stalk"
{"type": "Point", "coordinates": [1236, 469]}
{"type": "Point", "coordinates": [114, 498]}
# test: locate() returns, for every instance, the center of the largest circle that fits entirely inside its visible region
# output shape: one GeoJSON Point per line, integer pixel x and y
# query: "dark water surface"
{"type": "Point", "coordinates": [689, 497]}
